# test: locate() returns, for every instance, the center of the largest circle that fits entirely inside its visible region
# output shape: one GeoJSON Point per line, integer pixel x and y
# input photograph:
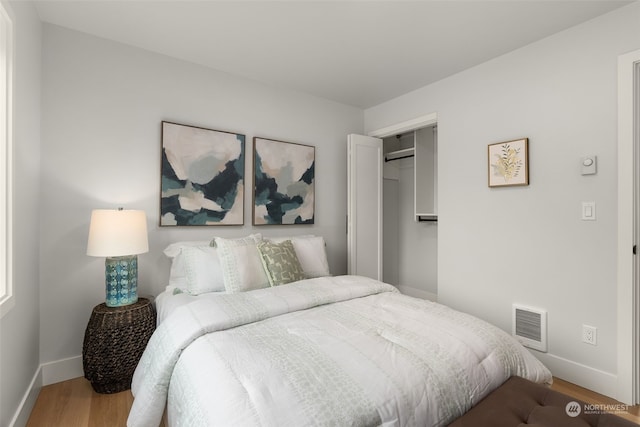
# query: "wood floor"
{"type": "Point", "coordinates": [73, 403]}
{"type": "Point", "coordinates": [588, 396]}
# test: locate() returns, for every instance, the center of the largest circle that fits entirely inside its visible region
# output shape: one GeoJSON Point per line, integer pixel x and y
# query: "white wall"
{"type": "Point", "coordinates": [102, 107]}
{"type": "Point", "coordinates": [527, 244]}
{"type": "Point", "coordinates": [19, 329]}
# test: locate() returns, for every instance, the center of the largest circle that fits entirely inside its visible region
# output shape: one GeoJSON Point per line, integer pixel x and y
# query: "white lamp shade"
{"type": "Point", "coordinates": [117, 233]}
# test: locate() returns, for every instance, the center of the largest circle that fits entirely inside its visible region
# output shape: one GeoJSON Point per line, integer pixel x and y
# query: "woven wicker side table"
{"type": "Point", "coordinates": [113, 344]}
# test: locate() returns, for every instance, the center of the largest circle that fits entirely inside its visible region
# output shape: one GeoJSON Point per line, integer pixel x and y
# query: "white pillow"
{"type": "Point", "coordinates": [203, 270]}
{"type": "Point", "coordinates": [195, 267]}
{"type": "Point", "coordinates": [241, 264]}
{"type": "Point", "coordinates": [311, 253]}
{"type": "Point", "coordinates": [173, 250]}
{"type": "Point", "coordinates": [177, 274]}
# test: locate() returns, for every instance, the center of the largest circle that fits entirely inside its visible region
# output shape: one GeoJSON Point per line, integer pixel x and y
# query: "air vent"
{"type": "Point", "coordinates": [530, 327]}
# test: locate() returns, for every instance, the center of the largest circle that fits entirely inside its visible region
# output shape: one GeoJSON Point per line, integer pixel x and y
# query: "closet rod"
{"type": "Point", "coordinates": [398, 158]}
{"type": "Point", "coordinates": [427, 219]}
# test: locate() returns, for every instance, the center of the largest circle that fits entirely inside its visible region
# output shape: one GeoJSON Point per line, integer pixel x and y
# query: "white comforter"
{"type": "Point", "coordinates": [333, 351]}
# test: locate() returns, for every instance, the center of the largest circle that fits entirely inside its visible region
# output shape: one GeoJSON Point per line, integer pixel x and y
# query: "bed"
{"type": "Point", "coordinates": [318, 350]}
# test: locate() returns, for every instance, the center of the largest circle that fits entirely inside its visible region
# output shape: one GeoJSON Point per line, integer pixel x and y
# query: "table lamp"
{"type": "Point", "coordinates": [119, 235]}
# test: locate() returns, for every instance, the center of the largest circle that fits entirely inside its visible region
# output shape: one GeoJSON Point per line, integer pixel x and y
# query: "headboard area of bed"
{"type": "Point", "coordinates": [251, 262]}
{"type": "Point", "coordinates": [205, 268]}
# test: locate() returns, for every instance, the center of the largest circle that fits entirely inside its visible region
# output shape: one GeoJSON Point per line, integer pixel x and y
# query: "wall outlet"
{"type": "Point", "coordinates": [589, 334]}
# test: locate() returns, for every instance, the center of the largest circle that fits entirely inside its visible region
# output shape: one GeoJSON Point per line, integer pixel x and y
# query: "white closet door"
{"type": "Point", "coordinates": [364, 206]}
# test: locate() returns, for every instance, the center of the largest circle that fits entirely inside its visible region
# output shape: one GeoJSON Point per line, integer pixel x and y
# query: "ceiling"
{"type": "Point", "coordinates": [359, 53]}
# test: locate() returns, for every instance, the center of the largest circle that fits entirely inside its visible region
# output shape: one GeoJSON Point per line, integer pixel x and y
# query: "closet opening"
{"type": "Point", "coordinates": [410, 232]}
{"type": "Point", "coordinates": [392, 205]}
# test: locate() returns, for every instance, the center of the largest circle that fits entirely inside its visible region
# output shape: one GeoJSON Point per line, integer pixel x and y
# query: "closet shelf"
{"type": "Point", "coordinates": [399, 154]}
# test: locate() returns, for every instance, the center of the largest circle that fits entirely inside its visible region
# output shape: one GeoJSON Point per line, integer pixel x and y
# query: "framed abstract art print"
{"type": "Point", "coordinates": [202, 176]}
{"type": "Point", "coordinates": [284, 182]}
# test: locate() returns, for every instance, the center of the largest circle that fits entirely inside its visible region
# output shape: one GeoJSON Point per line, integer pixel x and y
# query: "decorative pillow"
{"type": "Point", "coordinates": [311, 254]}
{"type": "Point", "coordinates": [241, 264]}
{"type": "Point", "coordinates": [178, 274]}
{"type": "Point", "coordinates": [280, 262]}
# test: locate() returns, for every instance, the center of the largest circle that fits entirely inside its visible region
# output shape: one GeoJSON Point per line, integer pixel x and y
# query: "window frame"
{"type": "Point", "coordinates": [7, 52]}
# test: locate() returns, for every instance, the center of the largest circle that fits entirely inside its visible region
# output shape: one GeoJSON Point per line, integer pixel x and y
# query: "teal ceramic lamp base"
{"type": "Point", "coordinates": [121, 280]}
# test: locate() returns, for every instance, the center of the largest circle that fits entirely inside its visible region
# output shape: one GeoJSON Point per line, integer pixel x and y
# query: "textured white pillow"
{"type": "Point", "coordinates": [241, 264]}
{"type": "Point", "coordinates": [203, 270]}
{"type": "Point", "coordinates": [177, 274]}
{"type": "Point", "coordinates": [311, 253]}
{"type": "Point", "coordinates": [195, 267]}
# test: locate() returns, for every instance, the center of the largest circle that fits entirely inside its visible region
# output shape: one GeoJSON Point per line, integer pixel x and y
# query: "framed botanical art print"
{"type": "Point", "coordinates": [284, 182]}
{"type": "Point", "coordinates": [202, 176]}
{"type": "Point", "coordinates": [509, 163]}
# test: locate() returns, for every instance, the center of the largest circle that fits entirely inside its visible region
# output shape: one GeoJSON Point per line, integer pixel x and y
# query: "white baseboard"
{"type": "Point", "coordinates": [47, 373]}
{"type": "Point", "coordinates": [21, 417]}
{"type": "Point", "coordinates": [417, 293]}
{"type": "Point", "coordinates": [585, 376]}
{"type": "Point", "coordinates": [62, 370]}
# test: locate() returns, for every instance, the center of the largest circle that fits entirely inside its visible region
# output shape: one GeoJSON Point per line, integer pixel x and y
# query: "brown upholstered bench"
{"type": "Point", "coordinates": [519, 402]}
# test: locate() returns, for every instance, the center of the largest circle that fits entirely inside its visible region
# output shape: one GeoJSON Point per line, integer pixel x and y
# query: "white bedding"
{"type": "Point", "coordinates": [171, 298]}
{"type": "Point", "coordinates": [340, 351]}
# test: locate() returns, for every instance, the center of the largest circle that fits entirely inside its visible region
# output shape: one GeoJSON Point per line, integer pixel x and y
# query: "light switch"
{"type": "Point", "coordinates": [588, 211]}
{"type": "Point", "coordinates": [589, 165]}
